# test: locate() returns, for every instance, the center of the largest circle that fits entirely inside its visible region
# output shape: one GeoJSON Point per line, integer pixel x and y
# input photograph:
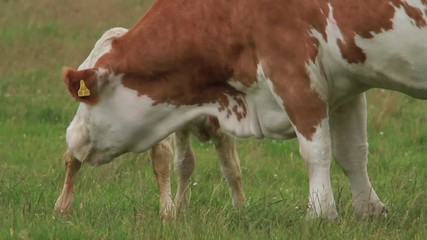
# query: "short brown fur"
{"type": "Point", "coordinates": [185, 52]}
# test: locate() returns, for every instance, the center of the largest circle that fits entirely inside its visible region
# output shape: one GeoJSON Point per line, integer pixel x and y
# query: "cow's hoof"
{"type": "Point", "coordinates": [330, 214]}
{"type": "Point", "coordinates": [168, 214]}
{"type": "Point", "coordinates": [371, 210]}
{"type": "Point", "coordinates": [62, 205]}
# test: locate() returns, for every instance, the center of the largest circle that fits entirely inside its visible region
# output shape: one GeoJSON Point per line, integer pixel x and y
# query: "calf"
{"type": "Point", "coordinates": [274, 68]}
{"type": "Point", "coordinates": [204, 128]}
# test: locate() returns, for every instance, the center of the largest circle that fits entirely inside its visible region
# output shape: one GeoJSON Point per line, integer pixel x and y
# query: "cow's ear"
{"type": "Point", "coordinates": [82, 85]}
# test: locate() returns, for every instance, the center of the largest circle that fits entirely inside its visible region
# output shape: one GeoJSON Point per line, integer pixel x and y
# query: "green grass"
{"type": "Point", "coordinates": [120, 200]}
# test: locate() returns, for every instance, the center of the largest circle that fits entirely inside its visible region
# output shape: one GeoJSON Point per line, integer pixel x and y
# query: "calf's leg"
{"type": "Point", "coordinates": [225, 147]}
{"type": "Point", "coordinates": [184, 167]}
{"type": "Point", "coordinates": [65, 199]}
{"type": "Point", "coordinates": [161, 156]}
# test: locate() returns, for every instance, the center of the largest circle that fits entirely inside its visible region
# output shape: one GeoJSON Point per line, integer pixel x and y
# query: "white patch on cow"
{"type": "Point", "coordinates": [269, 85]}
{"type": "Point", "coordinates": [397, 62]}
{"type": "Point", "coordinates": [317, 155]}
{"type": "Point", "coordinates": [100, 72]}
{"type": "Point", "coordinates": [77, 135]}
{"type": "Point", "coordinates": [318, 81]}
{"type": "Point", "coordinates": [123, 121]}
{"type": "Point", "coordinates": [317, 143]}
{"type": "Point", "coordinates": [102, 46]}
{"type": "Point", "coordinates": [244, 127]}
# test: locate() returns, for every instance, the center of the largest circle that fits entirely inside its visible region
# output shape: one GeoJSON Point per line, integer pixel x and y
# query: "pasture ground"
{"type": "Point", "coordinates": [120, 200]}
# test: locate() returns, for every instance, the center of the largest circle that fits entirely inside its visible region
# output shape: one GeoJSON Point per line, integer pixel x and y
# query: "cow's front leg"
{"type": "Point", "coordinates": [184, 167]}
{"type": "Point", "coordinates": [350, 148]}
{"type": "Point", "coordinates": [225, 147]}
{"type": "Point", "coordinates": [305, 100]}
{"type": "Point", "coordinates": [72, 166]}
{"type": "Point", "coordinates": [316, 151]}
{"type": "Point", "coordinates": [161, 156]}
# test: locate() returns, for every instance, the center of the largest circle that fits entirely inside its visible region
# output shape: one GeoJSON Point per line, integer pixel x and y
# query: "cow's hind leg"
{"type": "Point", "coordinates": [161, 156]}
{"type": "Point", "coordinates": [184, 167]}
{"type": "Point", "coordinates": [350, 148]}
{"type": "Point", "coordinates": [225, 147]}
{"type": "Point", "coordinates": [72, 166]}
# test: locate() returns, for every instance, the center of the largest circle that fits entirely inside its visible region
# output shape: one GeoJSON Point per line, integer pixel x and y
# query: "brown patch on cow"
{"type": "Point", "coordinates": [183, 88]}
{"type": "Point", "coordinates": [240, 114]}
{"type": "Point", "coordinates": [284, 57]}
{"type": "Point", "coordinates": [366, 18]}
{"type": "Point", "coordinates": [185, 54]}
{"type": "Point", "coordinates": [72, 78]}
{"type": "Point", "coordinates": [414, 13]}
{"type": "Point", "coordinates": [359, 18]}
{"type": "Point", "coordinates": [303, 105]}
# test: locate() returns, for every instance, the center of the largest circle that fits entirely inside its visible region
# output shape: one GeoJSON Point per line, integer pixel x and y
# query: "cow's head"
{"type": "Point", "coordinates": [113, 118]}
{"type": "Point", "coordinates": [84, 85]}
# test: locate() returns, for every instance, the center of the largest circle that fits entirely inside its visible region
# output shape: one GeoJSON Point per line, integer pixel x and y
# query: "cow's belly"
{"type": "Point", "coordinates": [264, 118]}
{"type": "Point", "coordinates": [274, 122]}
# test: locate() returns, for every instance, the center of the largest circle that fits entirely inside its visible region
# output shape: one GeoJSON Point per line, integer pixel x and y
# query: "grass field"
{"type": "Point", "coordinates": [120, 200]}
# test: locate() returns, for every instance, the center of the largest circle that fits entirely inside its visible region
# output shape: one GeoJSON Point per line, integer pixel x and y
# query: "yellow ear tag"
{"type": "Point", "coordinates": [83, 90]}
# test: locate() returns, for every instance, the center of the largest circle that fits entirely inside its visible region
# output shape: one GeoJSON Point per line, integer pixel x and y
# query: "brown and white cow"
{"type": "Point", "coordinates": [204, 128]}
{"type": "Point", "coordinates": [271, 68]}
